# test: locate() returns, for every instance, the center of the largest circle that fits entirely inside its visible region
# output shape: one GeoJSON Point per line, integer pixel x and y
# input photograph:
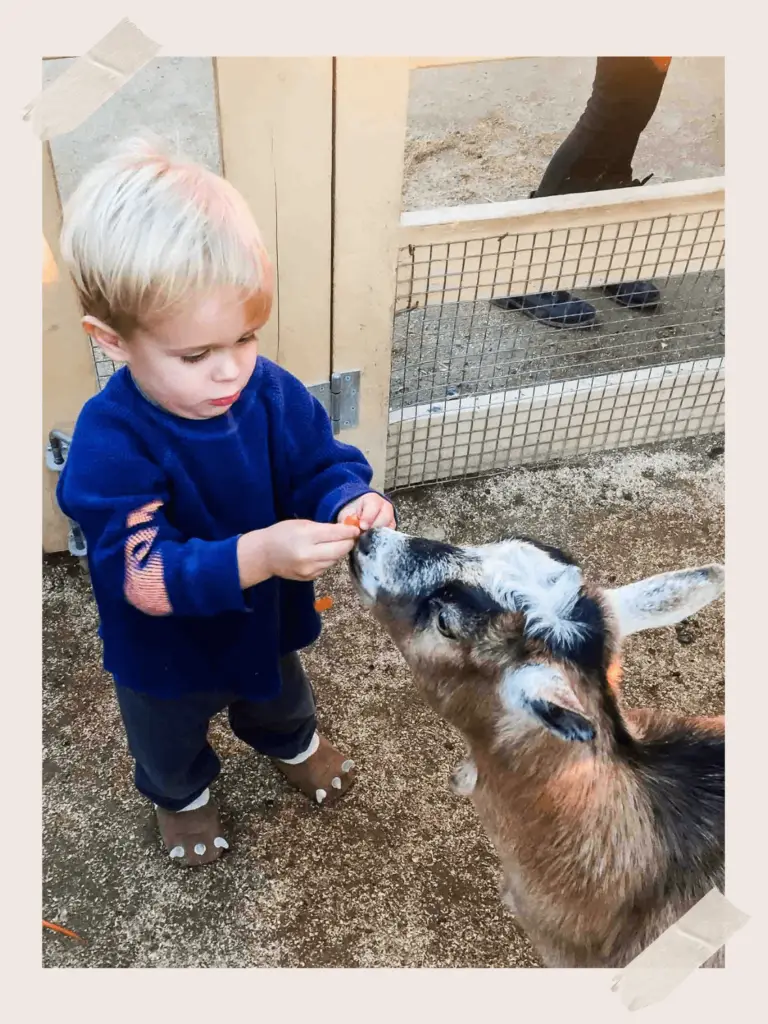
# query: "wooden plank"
{"type": "Point", "coordinates": [276, 118]}
{"type": "Point", "coordinates": [535, 424]}
{"type": "Point", "coordinates": [466, 253]}
{"type": "Point", "coordinates": [371, 112]}
{"type": "Point", "coordinates": [574, 209]}
{"type": "Point", "coordinates": [69, 374]}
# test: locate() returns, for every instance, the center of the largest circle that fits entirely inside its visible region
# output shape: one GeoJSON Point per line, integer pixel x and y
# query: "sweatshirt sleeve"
{"type": "Point", "coordinates": [325, 475]}
{"type": "Point", "coordinates": [119, 498]}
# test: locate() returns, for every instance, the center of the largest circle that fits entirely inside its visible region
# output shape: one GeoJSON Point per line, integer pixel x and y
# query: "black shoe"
{"type": "Point", "coordinates": [635, 294]}
{"type": "Point", "coordinates": [556, 309]}
{"type": "Point", "coordinates": [560, 308]}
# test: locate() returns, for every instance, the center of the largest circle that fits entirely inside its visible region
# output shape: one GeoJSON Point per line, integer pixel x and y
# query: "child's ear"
{"type": "Point", "coordinates": [108, 340]}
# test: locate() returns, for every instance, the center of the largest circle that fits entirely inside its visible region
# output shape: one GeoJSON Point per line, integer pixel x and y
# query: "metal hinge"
{"type": "Point", "coordinates": [340, 397]}
{"type": "Point", "coordinates": [55, 457]}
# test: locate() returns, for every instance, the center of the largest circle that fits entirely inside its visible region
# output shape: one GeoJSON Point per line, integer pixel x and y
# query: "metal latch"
{"type": "Point", "coordinates": [55, 457]}
{"type": "Point", "coordinates": [340, 397]}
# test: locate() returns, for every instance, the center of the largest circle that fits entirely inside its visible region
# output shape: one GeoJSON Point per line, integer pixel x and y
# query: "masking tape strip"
{"type": "Point", "coordinates": [96, 76]}
{"type": "Point", "coordinates": [679, 951]}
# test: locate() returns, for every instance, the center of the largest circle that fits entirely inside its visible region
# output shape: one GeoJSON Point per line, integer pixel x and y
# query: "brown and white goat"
{"type": "Point", "coordinates": [608, 823]}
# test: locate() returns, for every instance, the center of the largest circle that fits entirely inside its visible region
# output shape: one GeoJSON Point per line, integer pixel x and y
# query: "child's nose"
{"type": "Point", "coordinates": [227, 369]}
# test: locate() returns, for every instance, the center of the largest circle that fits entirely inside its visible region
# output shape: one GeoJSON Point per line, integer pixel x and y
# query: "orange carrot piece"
{"type": "Point", "coordinates": [352, 521]}
{"type": "Point", "coordinates": [322, 604]}
{"type": "Point", "coordinates": [64, 931]}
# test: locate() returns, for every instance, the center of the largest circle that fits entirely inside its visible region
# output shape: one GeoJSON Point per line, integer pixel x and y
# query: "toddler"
{"type": "Point", "coordinates": [209, 487]}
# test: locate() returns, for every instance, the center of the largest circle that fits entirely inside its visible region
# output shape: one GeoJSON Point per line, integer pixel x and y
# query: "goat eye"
{"type": "Point", "coordinates": [442, 625]}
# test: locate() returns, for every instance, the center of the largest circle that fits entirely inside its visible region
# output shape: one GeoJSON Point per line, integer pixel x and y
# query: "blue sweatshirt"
{"type": "Point", "coordinates": [162, 500]}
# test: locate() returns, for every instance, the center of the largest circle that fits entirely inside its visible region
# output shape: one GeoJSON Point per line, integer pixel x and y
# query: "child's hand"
{"type": "Point", "coordinates": [296, 549]}
{"type": "Point", "coordinates": [372, 510]}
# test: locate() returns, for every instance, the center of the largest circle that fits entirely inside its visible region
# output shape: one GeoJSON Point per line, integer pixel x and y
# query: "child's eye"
{"type": "Point", "coordinates": [246, 338]}
{"type": "Point", "coordinates": [194, 359]}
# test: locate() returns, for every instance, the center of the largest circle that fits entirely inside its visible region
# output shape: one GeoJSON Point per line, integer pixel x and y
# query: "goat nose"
{"type": "Point", "coordinates": [365, 544]}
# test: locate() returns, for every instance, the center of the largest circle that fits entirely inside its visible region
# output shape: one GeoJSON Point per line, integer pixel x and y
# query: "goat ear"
{"type": "Point", "coordinates": [665, 599]}
{"type": "Point", "coordinates": [544, 692]}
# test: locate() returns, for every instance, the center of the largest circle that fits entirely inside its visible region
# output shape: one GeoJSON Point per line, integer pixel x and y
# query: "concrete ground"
{"type": "Point", "coordinates": [400, 873]}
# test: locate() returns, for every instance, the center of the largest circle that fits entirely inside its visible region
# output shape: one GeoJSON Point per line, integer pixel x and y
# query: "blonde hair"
{"type": "Point", "coordinates": [145, 230]}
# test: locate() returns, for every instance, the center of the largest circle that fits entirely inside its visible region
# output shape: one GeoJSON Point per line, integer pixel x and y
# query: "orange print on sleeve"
{"type": "Point", "coordinates": [144, 585]}
{"type": "Point", "coordinates": [145, 514]}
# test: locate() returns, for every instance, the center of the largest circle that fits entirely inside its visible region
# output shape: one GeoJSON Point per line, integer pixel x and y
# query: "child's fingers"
{"type": "Point", "coordinates": [330, 533]}
{"type": "Point", "coordinates": [370, 510]}
{"type": "Point", "coordinates": [384, 518]}
{"type": "Point", "coordinates": [380, 513]}
{"type": "Point", "coordinates": [352, 510]}
{"type": "Point", "coordinates": [329, 554]}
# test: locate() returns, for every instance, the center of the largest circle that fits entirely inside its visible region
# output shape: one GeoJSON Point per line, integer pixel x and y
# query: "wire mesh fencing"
{"type": "Point", "coordinates": [105, 366]}
{"type": "Point", "coordinates": [477, 388]}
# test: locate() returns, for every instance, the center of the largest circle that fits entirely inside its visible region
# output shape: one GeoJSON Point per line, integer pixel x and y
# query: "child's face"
{"type": "Point", "coordinates": [196, 362]}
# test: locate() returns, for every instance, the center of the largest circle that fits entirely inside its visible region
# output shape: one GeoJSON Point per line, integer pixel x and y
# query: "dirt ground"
{"type": "Point", "coordinates": [485, 132]}
{"type": "Point", "coordinates": [400, 873]}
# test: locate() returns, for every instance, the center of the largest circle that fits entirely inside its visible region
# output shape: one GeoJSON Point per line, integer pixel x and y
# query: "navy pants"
{"type": "Point", "coordinates": [598, 152]}
{"type": "Point", "coordinates": [168, 737]}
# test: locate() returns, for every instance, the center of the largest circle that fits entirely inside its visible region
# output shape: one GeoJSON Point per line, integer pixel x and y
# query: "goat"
{"type": "Point", "coordinates": [608, 822]}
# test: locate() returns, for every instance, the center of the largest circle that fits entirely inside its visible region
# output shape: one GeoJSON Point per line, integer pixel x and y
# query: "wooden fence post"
{"type": "Point", "coordinates": [275, 118]}
{"type": "Point", "coordinates": [371, 112]}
